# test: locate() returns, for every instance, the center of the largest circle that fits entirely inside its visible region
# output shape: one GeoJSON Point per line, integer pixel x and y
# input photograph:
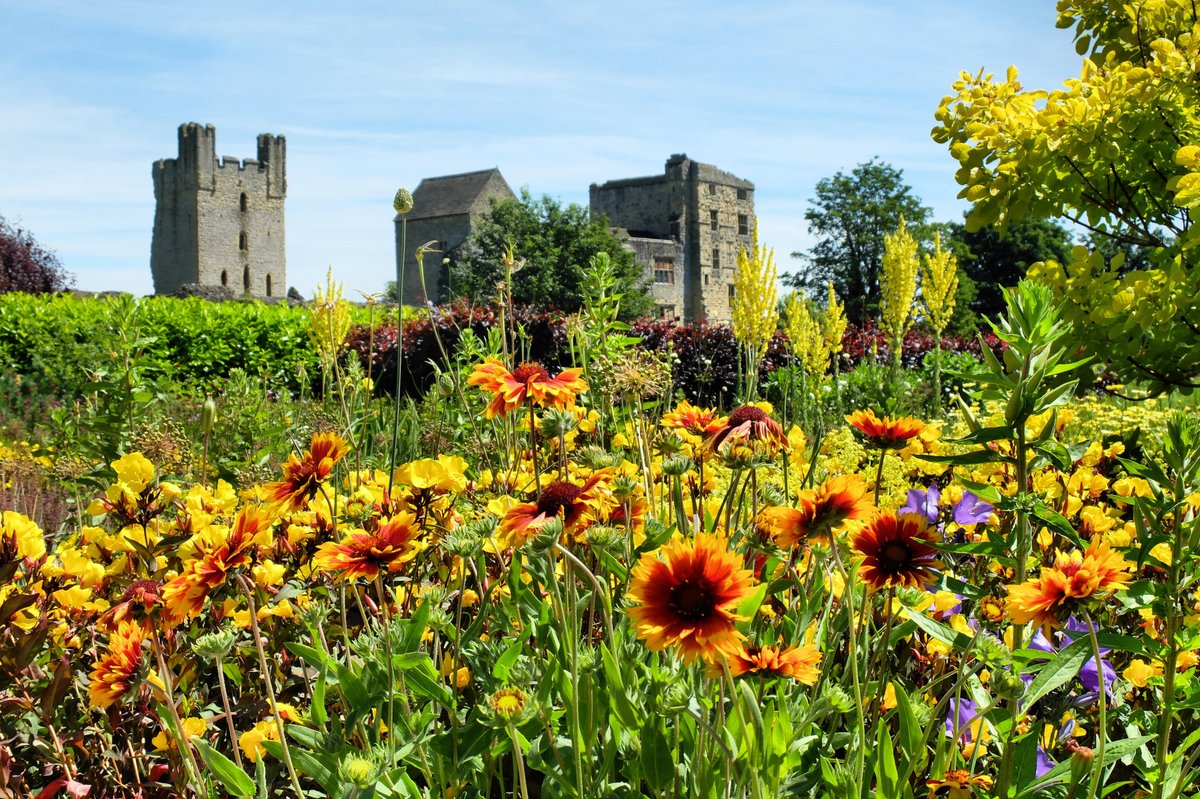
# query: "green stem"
{"type": "Point", "coordinates": [1102, 722]}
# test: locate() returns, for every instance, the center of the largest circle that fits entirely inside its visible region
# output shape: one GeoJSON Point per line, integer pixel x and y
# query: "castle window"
{"type": "Point", "coordinates": [268, 285]}
{"type": "Point", "coordinates": [712, 218]}
{"type": "Point", "coordinates": [224, 278]}
{"type": "Point", "coordinates": [742, 194]}
{"type": "Point", "coordinates": [712, 188]}
{"type": "Point", "coordinates": [242, 243]}
{"type": "Point", "coordinates": [666, 312]}
{"type": "Point", "coordinates": [743, 225]}
{"type": "Point", "coordinates": [246, 279]}
{"type": "Point", "coordinates": [664, 272]}
{"type": "Point", "coordinates": [716, 258]}
{"type": "Point", "coordinates": [732, 292]}
{"type": "Point", "coordinates": [245, 203]}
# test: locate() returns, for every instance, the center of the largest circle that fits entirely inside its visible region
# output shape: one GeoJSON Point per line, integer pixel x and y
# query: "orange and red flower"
{"type": "Point", "coordinates": [885, 433]}
{"type": "Point", "coordinates": [958, 784]}
{"type": "Point", "coordinates": [701, 422]}
{"type": "Point", "coordinates": [818, 513]}
{"type": "Point", "coordinates": [687, 598]}
{"type": "Point", "coordinates": [1049, 598]}
{"type": "Point", "coordinates": [303, 476]}
{"type": "Point", "coordinates": [800, 663]}
{"type": "Point", "coordinates": [529, 382]}
{"type": "Point", "coordinates": [116, 673]}
{"type": "Point", "coordinates": [751, 425]}
{"type": "Point", "coordinates": [577, 506]}
{"type": "Point", "coordinates": [184, 595]}
{"type": "Point", "coordinates": [897, 551]}
{"type": "Point", "coordinates": [363, 555]}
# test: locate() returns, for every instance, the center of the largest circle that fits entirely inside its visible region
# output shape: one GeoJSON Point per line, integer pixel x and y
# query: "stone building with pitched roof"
{"type": "Point", "coordinates": [445, 209]}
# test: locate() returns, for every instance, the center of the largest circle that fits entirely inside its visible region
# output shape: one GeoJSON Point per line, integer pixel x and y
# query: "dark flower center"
{"type": "Point", "coordinates": [895, 556]}
{"type": "Point", "coordinates": [746, 413]}
{"type": "Point", "coordinates": [692, 600]}
{"type": "Point", "coordinates": [556, 496]}
{"type": "Point", "coordinates": [528, 372]}
{"type": "Point", "coordinates": [140, 591]}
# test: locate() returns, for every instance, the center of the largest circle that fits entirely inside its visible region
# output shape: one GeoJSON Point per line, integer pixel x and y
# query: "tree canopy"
{"type": "Point", "coordinates": [26, 265]}
{"type": "Point", "coordinates": [1116, 150]}
{"type": "Point", "coordinates": [994, 259]}
{"type": "Point", "coordinates": [850, 215]}
{"type": "Point", "coordinates": [554, 243]}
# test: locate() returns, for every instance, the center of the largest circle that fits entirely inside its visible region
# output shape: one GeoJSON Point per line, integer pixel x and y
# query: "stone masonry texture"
{"type": "Point", "coordinates": [220, 222]}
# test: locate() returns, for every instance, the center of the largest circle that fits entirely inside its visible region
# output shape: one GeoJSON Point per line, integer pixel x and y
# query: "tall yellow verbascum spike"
{"type": "Point", "coordinates": [939, 281]}
{"type": "Point", "coordinates": [755, 314]}
{"type": "Point", "coordinates": [833, 326]}
{"type": "Point", "coordinates": [806, 336]}
{"type": "Point", "coordinates": [898, 279]}
{"type": "Point", "coordinates": [328, 321]}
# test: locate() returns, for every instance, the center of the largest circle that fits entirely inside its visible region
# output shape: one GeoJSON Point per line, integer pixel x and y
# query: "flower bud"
{"type": "Point", "coordinates": [208, 415]}
{"type": "Point", "coordinates": [403, 202]}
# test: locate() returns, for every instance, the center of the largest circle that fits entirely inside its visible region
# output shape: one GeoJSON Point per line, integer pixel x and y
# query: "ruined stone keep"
{"type": "Point", "coordinates": [445, 209]}
{"type": "Point", "coordinates": [220, 222]}
{"type": "Point", "coordinates": [686, 226]}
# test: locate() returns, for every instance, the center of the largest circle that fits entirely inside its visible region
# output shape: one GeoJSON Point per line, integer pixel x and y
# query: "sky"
{"type": "Point", "coordinates": [559, 95]}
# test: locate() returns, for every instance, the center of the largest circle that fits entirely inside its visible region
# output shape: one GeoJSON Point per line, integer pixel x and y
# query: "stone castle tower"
{"type": "Point", "coordinates": [220, 223]}
{"type": "Point", "coordinates": [686, 226]}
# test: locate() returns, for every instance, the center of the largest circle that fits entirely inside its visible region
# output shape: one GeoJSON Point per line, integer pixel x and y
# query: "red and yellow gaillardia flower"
{"type": "Point", "coordinates": [116, 673]}
{"type": "Point", "coordinates": [695, 421]}
{"type": "Point", "coordinates": [184, 595]}
{"type": "Point", "coordinates": [577, 506]}
{"type": "Point", "coordinates": [958, 784]}
{"type": "Point", "coordinates": [302, 477]}
{"type": "Point", "coordinates": [362, 554]}
{"type": "Point", "coordinates": [529, 382]}
{"type": "Point", "coordinates": [687, 598]}
{"type": "Point", "coordinates": [818, 514]}
{"type": "Point", "coordinates": [885, 433]}
{"type": "Point", "coordinates": [800, 663]}
{"type": "Point", "coordinates": [897, 551]}
{"type": "Point", "coordinates": [1050, 597]}
{"type": "Point", "coordinates": [749, 425]}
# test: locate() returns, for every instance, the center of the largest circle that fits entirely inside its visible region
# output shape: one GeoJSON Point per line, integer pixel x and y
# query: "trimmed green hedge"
{"type": "Point", "coordinates": [58, 342]}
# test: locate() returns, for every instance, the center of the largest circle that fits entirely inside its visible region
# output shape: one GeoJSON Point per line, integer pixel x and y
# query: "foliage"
{"type": "Point", "coordinates": [993, 259]}
{"type": "Point", "coordinates": [850, 215]}
{"type": "Point", "coordinates": [1114, 151]}
{"type": "Point", "coordinates": [25, 265]}
{"type": "Point", "coordinates": [554, 245]}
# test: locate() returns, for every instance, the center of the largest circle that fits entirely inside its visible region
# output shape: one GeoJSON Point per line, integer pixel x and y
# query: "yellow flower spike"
{"type": "Point", "coordinates": [898, 279]}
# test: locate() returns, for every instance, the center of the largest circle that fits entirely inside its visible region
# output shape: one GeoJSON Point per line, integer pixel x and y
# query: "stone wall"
{"type": "Point", "coordinates": [707, 212]}
{"type": "Point", "coordinates": [664, 272]}
{"type": "Point", "coordinates": [447, 233]}
{"type": "Point", "coordinates": [220, 223]}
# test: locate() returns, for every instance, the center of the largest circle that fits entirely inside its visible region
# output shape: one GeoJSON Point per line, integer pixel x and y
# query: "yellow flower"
{"type": "Point", "coordinates": [269, 574]}
{"type": "Point", "coordinates": [30, 541]}
{"type": "Point", "coordinates": [1139, 672]}
{"type": "Point", "coordinates": [134, 470]}
{"type": "Point", "coordinates": [754, 312]}
{"type": "Point", "coordinates": [939, 281]}
{"type": "Point", "coordinates": [192, 728]}
{"type": "Point", "coordinates": [898, 286]}
{"type": "Point", "coordinates": [251, 740]}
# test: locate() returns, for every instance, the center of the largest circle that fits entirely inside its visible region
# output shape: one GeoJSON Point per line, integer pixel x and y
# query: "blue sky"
{"type": "Point", "coordinates": [558, 95]}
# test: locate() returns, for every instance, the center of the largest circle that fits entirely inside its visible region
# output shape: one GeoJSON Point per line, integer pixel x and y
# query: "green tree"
{"type": "Point", "coordinates": [850, 215]}
{"type": "Point", "coordinates": [554, 244]}
{"type": "Point", "coordinates": [1115, 151]}
{"type": "Point", "coordinates": [996, 259]}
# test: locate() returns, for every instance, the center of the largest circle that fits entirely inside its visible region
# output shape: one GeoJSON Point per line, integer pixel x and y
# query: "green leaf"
{"type": "Point", "coordinates": [886, 776]}
{"type": "Point", "coordinates": [1113, 751]}
{"type": "Point", "coordinates": [232, 778]}
{"type": "Point", "coordinates": [617, 695]}
{"type": "Point", "coordinates": [944, 633]}
{"type": "Point", "coordinates": [1065, 664]}
{"type": "Point", "coordinates": [658, 766]}
{"type": "Point", "coordinates": [505, 662]}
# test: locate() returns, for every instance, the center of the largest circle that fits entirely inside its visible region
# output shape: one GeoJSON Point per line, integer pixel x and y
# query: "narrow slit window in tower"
{"type": "Point", "coordinates": [224, 277]}
{"type": "Point", "coordinates": [245, 202]}
{"type": "Point", "coordinates": [246, 279]}
{"type": "Point", "coordinates": [268, 285]}
{"type": "Point", "coordinates": [242, 242]}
